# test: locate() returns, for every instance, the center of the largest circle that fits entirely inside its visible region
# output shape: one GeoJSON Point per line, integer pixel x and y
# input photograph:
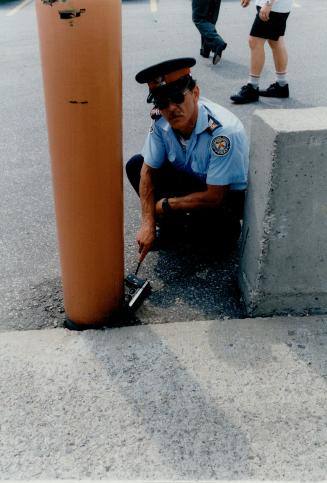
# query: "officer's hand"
{"type": "Point", "coordinates": [145, 239]}
{"type": "Point", "coordinates": [245, 3]}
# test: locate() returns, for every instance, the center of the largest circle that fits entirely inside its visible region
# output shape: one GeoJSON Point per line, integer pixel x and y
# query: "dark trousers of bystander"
{"type": "Point", "coordinates": [205, 15]}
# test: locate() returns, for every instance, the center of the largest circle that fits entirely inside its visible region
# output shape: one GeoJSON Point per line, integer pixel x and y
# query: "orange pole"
{"type": "Point", "coordinates": [80, 44]}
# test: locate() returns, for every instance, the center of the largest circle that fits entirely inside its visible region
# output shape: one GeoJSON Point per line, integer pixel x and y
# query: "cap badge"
{"type": "Point", "coordinates": [160, 81]}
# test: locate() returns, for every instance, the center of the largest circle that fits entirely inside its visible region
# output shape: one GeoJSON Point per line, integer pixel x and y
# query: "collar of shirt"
{"type": "Point", "coordinates": [202, 122]}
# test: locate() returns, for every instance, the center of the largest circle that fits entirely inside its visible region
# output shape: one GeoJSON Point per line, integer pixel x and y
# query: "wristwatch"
{"type": "Point", "coordinates": [166, 208]}
{"type": "Point", "coordinates": [268, 3]}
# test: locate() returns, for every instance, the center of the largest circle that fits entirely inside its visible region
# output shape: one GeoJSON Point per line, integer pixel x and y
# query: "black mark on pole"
{"type": "Point", "coordinates": [72, 13]}
{"type": "Point", "coordinates": [49, 2]}
{"type": "Point", "coordinates": [78, 102]}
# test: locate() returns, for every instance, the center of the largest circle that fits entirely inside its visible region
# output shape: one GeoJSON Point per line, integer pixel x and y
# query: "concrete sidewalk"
{"type": "Point", "coordinates": [212, 400]}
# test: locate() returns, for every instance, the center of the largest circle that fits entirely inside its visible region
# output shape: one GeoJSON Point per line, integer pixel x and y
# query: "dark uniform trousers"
{"type": "Point", "coordinates": [170, 182]}
{"type": "Point", "coordinates": [205, 15]}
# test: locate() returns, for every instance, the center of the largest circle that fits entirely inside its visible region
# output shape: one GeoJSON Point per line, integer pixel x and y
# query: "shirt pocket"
{"type": "Point", "coordinates": [199, 164]}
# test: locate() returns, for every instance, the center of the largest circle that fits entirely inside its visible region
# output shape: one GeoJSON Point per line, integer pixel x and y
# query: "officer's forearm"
{"type": "Point", "coordinates": [147, 195]}
{"type": "Point", "coordinates": [199, 200]}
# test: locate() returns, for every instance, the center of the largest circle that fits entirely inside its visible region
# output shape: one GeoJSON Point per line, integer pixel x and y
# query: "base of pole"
{"type": "Point", "coordinates": [124, 316]}
{"type": "Point", "coordinates": [138, 290]}
{"type": "Point", "coordinates": [69, 324]}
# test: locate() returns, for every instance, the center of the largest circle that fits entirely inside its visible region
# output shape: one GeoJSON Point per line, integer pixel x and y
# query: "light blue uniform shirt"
{"type": "Point", "coordinates": [217, 151]}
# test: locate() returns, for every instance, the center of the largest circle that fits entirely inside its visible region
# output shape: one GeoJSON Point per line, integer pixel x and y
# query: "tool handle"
{"type": "Point", "coordinates": [138, 267]}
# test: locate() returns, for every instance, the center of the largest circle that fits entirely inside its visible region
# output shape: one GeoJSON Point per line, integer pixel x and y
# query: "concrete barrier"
{"type": "Point", "coordinates": [283, 264]}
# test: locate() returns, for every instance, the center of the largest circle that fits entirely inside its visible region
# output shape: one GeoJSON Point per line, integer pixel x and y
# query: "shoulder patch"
{"type": "Point", "coordinates": [155, 114]}
{"type": "Point", "coordinates": [220, 145]}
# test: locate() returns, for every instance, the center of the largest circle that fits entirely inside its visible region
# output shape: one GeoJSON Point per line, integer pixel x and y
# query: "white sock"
{"type": "Point", "coordinates": [254, 80]}
{"type": "Point", "coordinates": [281, 78]}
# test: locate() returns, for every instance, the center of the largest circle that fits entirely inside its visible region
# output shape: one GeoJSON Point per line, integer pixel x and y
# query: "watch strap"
{"type": "Point", "coordinates": [166, 208]}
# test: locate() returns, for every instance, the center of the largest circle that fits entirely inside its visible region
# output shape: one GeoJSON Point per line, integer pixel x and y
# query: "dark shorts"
{"type": "Point", "coordinates": [273, 29]}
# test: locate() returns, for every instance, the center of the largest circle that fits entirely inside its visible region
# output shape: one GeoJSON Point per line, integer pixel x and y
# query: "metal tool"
{"type": "Point", "coordinates": [138, 288]}
{"type": "Point", "coordinates": [138, 267]}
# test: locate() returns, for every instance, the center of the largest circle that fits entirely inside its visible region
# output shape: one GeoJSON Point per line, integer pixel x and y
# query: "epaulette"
{"type": "Point", "coordinates": [213, 124]}
{"type": "Point", "coordinates": [155, 114]}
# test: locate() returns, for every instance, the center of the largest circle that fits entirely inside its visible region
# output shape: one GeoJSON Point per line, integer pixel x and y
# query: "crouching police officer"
{"type": "Point", "coordinates": [194, 161]}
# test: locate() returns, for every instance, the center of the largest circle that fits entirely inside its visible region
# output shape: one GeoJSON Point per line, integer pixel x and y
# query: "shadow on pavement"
{"type": "Point", "coordinates": [172, 412]}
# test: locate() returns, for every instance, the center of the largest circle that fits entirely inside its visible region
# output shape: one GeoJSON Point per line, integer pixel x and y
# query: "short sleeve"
{"type": "Point", "coordinates": [229, 159]}
{"type": "Point", "coordinates": [154, 151]}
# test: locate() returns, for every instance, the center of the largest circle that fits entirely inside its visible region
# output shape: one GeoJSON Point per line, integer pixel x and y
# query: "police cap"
{"type": "Point", "coordinates": [166, 78]}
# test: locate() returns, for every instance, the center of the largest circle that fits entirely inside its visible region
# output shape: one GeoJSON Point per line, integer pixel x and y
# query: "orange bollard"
{"type": "Point", "coordinates": [80, 44]}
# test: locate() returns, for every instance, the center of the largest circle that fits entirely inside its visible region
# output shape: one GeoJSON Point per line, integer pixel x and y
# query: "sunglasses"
{"type": "Point", "coordinates": [164, 102]}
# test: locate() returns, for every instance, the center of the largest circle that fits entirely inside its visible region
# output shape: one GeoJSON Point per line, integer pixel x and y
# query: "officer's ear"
{"type": "Point", "coordinates": [196, 92]}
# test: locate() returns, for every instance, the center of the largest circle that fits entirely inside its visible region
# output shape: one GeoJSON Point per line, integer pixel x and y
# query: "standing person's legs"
{"type": "Point", "coordinates": [280, 56]}
{"type": "Point", "coordinates": [204, 50]}
{"type": "Point", "coordinates": [204, 15]}
{"type": "Point", "coordinates": [214, 14]}
{"type": "Point", "coordinates": [250, 91]}
{"type": "Point", "coordinates": [276, 27]}
{"type": "Point", "coordinates": [274, 30]}
{"type": "Point", "coordinates": [214, 8]}
{"type": "Point", "coordinates": [257, 56]}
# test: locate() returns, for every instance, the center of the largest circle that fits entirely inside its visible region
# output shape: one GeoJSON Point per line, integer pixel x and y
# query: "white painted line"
{"type": "Point", "coordinates": [19, 7]}
{"type": "Point", "coordinates": [153, 6]}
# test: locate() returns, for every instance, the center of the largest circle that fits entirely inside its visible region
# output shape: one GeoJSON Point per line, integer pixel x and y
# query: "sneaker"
{"type": "Point", "coordinates": [276, 90]}
{"type": "Point", "coordinates": [217, 55]}
{"type": "Point", "coordinates": [247, 94]}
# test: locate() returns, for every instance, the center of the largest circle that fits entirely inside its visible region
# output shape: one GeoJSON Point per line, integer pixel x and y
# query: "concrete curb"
{"type": "Point", "coordinates": [207, 400]}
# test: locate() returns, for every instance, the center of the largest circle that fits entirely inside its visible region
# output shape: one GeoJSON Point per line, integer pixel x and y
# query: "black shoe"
{"type": "Point", "coordinates": [276, 90]}
{"type": "Point", "coordinates": [246, 95]}
{"type": "Point", "coordinates": [217, 55]}
{"type": "Point", "coordinates": [205, 52]}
